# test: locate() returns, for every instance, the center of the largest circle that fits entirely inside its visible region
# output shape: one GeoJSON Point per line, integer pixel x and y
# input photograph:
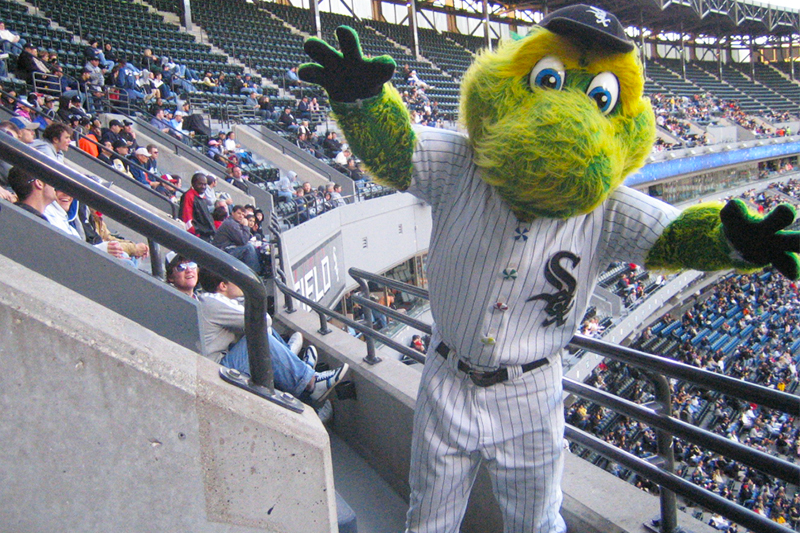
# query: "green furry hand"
{"type": "Point", "coordinates": [345, 75]}
{"type": "Point", "coordinates": [759, 240]}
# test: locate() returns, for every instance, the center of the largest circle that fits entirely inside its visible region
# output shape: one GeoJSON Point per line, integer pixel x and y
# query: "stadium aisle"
{"type": "Point", "coordinates": [378, 508]}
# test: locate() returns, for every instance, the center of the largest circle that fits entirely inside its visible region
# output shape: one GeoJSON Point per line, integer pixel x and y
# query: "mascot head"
{"type": "Point", "coordinates": [557, 119]}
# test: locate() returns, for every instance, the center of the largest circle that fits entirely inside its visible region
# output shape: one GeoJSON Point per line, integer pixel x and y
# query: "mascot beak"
{"type": "Point", "coordinates": [589, 27]}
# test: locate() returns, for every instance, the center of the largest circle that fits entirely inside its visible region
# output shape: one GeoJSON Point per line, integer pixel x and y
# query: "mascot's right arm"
{"type": "Point", "coordinates": [542, 116]}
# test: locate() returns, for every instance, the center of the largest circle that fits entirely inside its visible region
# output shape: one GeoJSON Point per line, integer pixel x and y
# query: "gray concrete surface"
{"type": "Point", "coordinates": [109, 427]}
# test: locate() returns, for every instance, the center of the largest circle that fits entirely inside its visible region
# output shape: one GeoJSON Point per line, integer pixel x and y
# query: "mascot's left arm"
{"type": "Point", "coordinates": [555, 127]}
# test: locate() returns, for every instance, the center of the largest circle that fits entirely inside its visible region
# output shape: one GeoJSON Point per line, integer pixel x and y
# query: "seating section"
{"type": "Point", "coordinates": [670, 79]}
{"type": "Point", "coordinates": [375, 40]}
{"type": "Point", "coordinates": [131, 28]}
{"type": "Point", "coordinates": [450, 56]}
{"type": "Point", "coordinates": [772, 78]}
{"type": "Point", "coordinates": [37, 30]}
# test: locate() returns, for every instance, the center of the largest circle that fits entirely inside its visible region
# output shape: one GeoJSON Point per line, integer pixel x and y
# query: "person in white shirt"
{"type": "Point", "coordinates": [222, 326]}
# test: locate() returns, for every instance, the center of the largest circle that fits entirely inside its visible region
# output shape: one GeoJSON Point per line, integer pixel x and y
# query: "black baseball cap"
{"type": "Point", "coordinates": [115, 122]}
{"type": "Point", "coordinates": [119, 143]}
{"type": "Point", "coordinates": [590, 26]}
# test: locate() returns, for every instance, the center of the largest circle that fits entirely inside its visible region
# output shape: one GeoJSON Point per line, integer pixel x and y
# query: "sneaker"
{"type": "Point", "coordinates": [310, 357]}
{"type": "Point", "coordinates": [296, 342]}
{"type": "Point", "coordinates": [326, 381]}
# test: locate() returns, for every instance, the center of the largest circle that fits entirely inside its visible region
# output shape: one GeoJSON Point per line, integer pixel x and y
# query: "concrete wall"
{"type": "Point", "coordinates": [109, 427]}
{"type": "Point", "coordinates": [376, 235]}
{"type": "Point", "coordinates": [36, 244]}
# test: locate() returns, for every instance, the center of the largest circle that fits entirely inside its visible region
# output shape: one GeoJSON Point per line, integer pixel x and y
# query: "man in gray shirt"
{"type": "Point", "coordinates": [233, 236]}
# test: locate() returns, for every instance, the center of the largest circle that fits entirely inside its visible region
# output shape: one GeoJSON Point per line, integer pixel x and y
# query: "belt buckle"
{"type": "Point", "coordinates": [486, 379]}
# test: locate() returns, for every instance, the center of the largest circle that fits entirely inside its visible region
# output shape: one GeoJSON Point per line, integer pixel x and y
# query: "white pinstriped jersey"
{"type": "Point", "coordinates": [486, 268]}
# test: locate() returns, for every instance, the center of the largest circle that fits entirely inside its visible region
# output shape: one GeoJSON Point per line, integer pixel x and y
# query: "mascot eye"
{"type": "Point", "coordinates": [548, 73]}
{"type": "Point", "coordinates": [604, 90]}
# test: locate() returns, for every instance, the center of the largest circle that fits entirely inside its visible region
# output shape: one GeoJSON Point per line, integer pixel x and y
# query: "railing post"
{"type": "Point", "coordinates": [371, 358]}
{"type": "Point", "coordinates": [663, 405]}
{"type": "Point", "coordinates": [323, 325]}
{"type": "Point", "coordinates": [156, 259]}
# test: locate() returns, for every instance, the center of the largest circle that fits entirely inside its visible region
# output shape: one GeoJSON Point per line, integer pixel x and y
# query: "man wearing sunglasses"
{"type": "Point", "coordinates": [222, 326]}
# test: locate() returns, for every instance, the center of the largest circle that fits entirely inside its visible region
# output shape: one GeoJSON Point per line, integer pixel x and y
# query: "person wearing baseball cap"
{"type": "Point", "coordinates": [27, 129]}
{"type": "Point", "coordinates": [140, 158]}
{"type": "Point", "coordinates": [128, 134]}
{"type": "Point", "coordinates": [119, 159]}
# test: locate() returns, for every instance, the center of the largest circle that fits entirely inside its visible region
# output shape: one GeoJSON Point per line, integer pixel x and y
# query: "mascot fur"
{"type": "Point", "coordinates": [527, 211]}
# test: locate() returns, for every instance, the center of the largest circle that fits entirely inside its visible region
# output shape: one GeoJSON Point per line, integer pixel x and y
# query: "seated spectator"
{"type": "Point", "coordinates": [210, 83]}
{"type": "Point", "coordinates": [233, 237]}
{"type": "Point", "coordinates": [55, 141]}
{"type": "Point", "coordinates": [119, 158]}
{"type": "Point", "coordinates": [27, 129]}
{"type": "Point", "coordinates": [28, 62]}
{"type": "Point", "coordinates": [33, 195]}
{"type": "Point", "coordinates": [128, 134]}
{"type": "Point", "coordinates": [141, 158]}
{"type": "Point", "coordinates": [169, 186]}
{"type": "Point", "coordinates": [287, 121]}
{"type": "Point", "coordinates": [307, 146]}
{"type": "Point", "coordinates": [222, 325]}
{"type": "Point", "coordinates": [313, 107]}
{"type": "Point", "coordinates": [238, 179]}
{"type": "Point", "coordinates": [6, 194]}
{"type": "Point", "coordinates": [215, 152]}
{"type": "Point", "coordinates": [286, 185]}
{"type": "Point", "coordinates": [267, 109]}
{"type": "Point", "coordinates": [178, 130]}
{"type": "Point", "coordinates": [106, 151]}
{"type": "Point", "coordinates": [344, 156]}
{"type": "Point", "coordinates": [181, 273]}
{"type": "Point", "coordinates": [251, 103]}
{"type": "Point", "coordinates": [160, 122]}
{"type": "Point", "coordinates": [107, 57]}
{"type": "Point", "coordinates": [355, 172]}
{"type": "Point", "coordinates": [219, 214]}
{"type": "Point", "coordinates": [194, 210]}
{"type": "Point", "coordinates": [291, 77]}
{"type": "Point", "coordinates": [111, 133]}
{"type": "Point", "coordinates": [417, 344]}
{"type": "Point", "coordinates": [334, 195]}
{"type": "Point", "coordinates": [250, 85]}
{"type": "Point", "coordinates": [12, 43]}
{"type": "Point", "coordinates": [152, 162]}
{"type": "Point", "coordinates": [331, 145]}
{"type": "Point", "coordinates": [135, 250]}
{"type": "Point", "coordinates": [128, 79]}
{"type": "Point", "coordinates": [302, 109]}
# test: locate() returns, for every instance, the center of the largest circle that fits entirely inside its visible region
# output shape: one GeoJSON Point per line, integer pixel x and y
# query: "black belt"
{"type": "Point", "coordinates": [487, 379]}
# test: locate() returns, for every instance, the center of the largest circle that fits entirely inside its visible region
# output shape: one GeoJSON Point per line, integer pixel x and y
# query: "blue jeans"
{"type": "Point", "coordinates": [14, 48]}
{"type": "Point", "coordinates": [290, 373]}
{"type": "Point", "coordinates": [247, 254]}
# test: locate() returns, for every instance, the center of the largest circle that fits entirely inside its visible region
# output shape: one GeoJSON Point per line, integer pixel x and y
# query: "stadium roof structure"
{"type": "Point", "coordinates": [713, 18]}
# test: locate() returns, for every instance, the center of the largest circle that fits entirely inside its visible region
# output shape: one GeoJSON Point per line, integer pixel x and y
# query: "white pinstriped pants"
{"type": "Point", "coordinates": [516, 427]}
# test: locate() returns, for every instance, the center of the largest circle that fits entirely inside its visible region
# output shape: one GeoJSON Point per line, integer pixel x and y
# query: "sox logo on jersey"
{"type": "Point", "coordinates": [560, 303]}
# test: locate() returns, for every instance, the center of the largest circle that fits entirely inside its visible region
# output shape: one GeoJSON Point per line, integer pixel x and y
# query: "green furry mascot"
{"type": "Point", "coordinates": [527, 211]}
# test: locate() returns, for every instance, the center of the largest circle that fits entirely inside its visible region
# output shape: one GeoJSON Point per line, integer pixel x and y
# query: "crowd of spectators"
{"type": "Point", "coordinates": [678, 114]}
{"type": "Point", "coordinates": [762, 311]}
{"type": "Point", "coordinates": [767, 309]}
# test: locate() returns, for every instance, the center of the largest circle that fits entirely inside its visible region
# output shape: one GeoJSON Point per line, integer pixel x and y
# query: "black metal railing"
{"type": "Point", "coordinates": [161, 231]}
{"type": "Point", "coordinates": [656, 414]}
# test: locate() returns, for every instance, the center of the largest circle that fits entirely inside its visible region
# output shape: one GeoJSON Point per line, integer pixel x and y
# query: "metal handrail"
{"type": "Point", "coordinates": [774, 399]}
{"type": "Point", "coordinates": [323, 312]}
{"type": "Point", "coordinates": [140, 220]}
{"type": "Point", "coordinates": [656, 414]}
